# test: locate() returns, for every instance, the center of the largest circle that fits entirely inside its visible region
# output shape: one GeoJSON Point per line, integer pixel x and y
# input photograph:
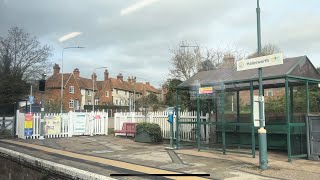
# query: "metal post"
{"type": "Point", "coordinates": [177, 120]}
{"type": "Point", "coordinates": [92, 98]}
{"type": "Point", "coordinates": [223, 122]}
{"type": "Point", "coordinates": [238, 106]}
{"type": "Point", "coordinates": [253, 137]}
{"type": "Point", "coordinates": [288, 119]}
{"type": "Point", "coordinates": [263, 156]}
{"type": "Point", "coordinates": [198, 121]}
{"type": "Point", "coordinates": [307, 97]}
{"type": "Point", "coordinates": [42, 110]}
{"type": "Point", "coordinates": [171, 134]}
{"type": "Point", "coordinates": [61, 90]}
{"type": "Point", "coordinates": [30, 95]}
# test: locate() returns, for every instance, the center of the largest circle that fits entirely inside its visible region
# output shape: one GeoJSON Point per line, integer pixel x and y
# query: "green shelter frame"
{"type": "Point", "coordinates": [294, 72]}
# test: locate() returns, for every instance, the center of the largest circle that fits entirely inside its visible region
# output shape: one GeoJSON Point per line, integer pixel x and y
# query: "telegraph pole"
{"type": "Point", "coordinates": [263, 155]}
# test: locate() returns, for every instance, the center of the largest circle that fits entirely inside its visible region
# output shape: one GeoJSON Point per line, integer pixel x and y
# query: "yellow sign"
{"type": "Point", "coordinates": [28, 124]}
{"type": "Point", "coordinates": [205, 90]}
{"type": "Point", "coordinates": [53, 125]}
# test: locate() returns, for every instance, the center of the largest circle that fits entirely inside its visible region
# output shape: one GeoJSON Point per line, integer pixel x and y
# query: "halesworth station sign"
{"type": "Point", "coordinates": [259, 62]}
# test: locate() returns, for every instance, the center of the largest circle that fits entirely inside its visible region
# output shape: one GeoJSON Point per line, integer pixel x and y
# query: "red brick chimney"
{"type": "Point", "coordinates": [76, 73]}
{"type": "Point", "coordinates": [120, 76]}
{"type": "Point", "coordinates": [94, 76]}
{"type": "Point", "coordinates": [106, 75]}
{"type": "Point", "coordinates": [56, 69]}
{"type": "Point", "coordinates": [228, 60]}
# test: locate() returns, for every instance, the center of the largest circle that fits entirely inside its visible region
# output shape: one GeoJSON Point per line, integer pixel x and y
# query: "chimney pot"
{"type": "Point", "coordinates": [56, 69]}
{"type": "Point", "coordinates": [76, 73]}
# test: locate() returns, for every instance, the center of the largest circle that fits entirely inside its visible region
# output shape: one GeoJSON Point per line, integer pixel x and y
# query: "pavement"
{"type": "Point", "coordinates": [106, 155]}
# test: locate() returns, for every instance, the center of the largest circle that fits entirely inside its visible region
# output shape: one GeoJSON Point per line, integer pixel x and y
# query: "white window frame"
{"type": "Point", "coordinates": [96, 101]}
{"type": "Point", "coordinates": [88, 93]}
{"type": "Point", "coordinates": [269, 91]}
{"type": "Point", "coordinates": [89, 102]}
{"type": "Point", "coordinates": [71, 89]}
{"type": "Point", "coordinates": [116, 101]}
{"type": "Point", "coordinates": [71, 103]}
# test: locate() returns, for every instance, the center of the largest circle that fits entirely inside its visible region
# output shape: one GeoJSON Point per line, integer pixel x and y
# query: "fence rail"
{"type": "Point", "coordinates": [71, 124]}
{"type": "Point", "coordinates": [187, 121]}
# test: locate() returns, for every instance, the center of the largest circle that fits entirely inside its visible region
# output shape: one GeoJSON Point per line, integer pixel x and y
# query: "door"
{"type": "Point", "coordinates": [314, 137]}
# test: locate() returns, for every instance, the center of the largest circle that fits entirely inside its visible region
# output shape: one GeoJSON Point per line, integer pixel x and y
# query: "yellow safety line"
{"type": "Point", "coordinates": [115, 163]}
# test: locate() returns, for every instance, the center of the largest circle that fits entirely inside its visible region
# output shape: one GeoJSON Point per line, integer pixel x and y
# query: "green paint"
{"type": "Point", "coordinates": [288, 119]}
{"type": "Point", "coordinates": [253, 139]}
{"type": "Point", "coordinates": [198, 122]}
{"type": "Point", "coordinates": [177, 120]}
{"type": "Point", "coordinates": [307, 97]}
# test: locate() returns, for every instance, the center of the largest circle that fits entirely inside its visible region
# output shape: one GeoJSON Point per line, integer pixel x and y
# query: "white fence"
{"type": "Point", "coordinates": [72, 123]}
{"type": "Point", "coordinates": [188, 122]}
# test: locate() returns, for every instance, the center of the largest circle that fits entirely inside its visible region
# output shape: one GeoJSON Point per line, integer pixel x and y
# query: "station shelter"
{"type": "Point", "coordinates": [227, 95]}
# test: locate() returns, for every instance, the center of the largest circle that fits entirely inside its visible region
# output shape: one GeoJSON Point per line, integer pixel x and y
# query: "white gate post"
{"type": "Point", "coordinates": [70, 124]}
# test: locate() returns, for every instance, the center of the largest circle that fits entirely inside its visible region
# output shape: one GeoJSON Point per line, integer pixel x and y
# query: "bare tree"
{"type": "Point", "coordinates": [268, 49]}
{"type": "Point", "coordinates": [22, 59]}
{"type": "Point", "coordinates": [189, 60]}
{"type": "Point", "coordinates": [23, 55]}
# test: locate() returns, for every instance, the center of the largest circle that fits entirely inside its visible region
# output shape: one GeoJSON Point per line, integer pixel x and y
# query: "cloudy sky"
{"type": "Point", "coordinates": [136, 41]}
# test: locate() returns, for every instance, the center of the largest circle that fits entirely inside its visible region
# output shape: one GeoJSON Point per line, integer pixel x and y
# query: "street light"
{"type": "Point", "coordinates": [61, 91]}
{"type": "Point", "coordinates": [94, 72]}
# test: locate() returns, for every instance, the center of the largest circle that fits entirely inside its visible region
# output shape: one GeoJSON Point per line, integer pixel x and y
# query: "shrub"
{"type": "Point", "coordinates": [152, 129]}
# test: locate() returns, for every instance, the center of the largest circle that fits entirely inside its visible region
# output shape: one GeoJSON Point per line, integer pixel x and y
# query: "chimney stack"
{"type": "Point", "coordinates": [56, 69]}
{"type": "Point", "coordinates": [94, 76]}
{"type": "Point", "coordinates": [106, 75]}
{"type": "Point", "coordinates": [134, 79]}
{"type": "Point", "coordinates": [120, 77]}
{"type": "Point", "coordinates": [228, 60]}
{"type": "Point", "coordinates": [148, 83]}
{"type": "Point", "coordinates": [76, 73]}
{"type": "Point", "coordinates": [129, 79]}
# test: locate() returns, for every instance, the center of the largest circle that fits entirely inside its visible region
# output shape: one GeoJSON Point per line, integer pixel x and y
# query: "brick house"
{"type": "Point", "coordinates": [78, 91]}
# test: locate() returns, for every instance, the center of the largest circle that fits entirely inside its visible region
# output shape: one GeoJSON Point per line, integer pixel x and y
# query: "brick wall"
{"type": "Point", "coordinates": [245, 95]}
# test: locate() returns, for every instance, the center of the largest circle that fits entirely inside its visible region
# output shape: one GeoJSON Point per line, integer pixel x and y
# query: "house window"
{"type": "Point", "coordinates": [269, 93]}
{"type": "Point", "coordinates": [117, 102]}
{"type": "Point", "coordinates": [71, 89]}
{"type": "Point", "coordinates": [89, 102]}
{"type": "Point", "coordinates": [138, 95]}
{"type": "Point", "coordinates": [88, 93]}
{"type": "Point", "coordinates": [77, 104]}
{"type": "Point", "coordinates": [107, 93]}
{"type": "Point", "coordinates": [125, 93]}
{"type": "Point", "coordinates": [96, 101]}
{"type": "Point", "coordinates": [117, 91]}
{"type": "Point", "coordinates": [71, 103]}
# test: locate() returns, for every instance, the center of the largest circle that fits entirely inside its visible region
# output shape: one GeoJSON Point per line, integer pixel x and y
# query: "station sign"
{"type": "Point", "coordinates": [259, 62]}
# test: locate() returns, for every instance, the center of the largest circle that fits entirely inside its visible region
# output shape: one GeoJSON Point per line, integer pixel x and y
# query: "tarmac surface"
{"type": "Point", "coordinates": [107, 155]}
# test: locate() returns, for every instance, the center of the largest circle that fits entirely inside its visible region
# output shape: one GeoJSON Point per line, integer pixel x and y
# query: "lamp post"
{"type": "Point", "coordinates": [93, 82]}
{"type": "Point", "coordinates": [42, 89]}
{"type": "Point", "coordinates": [263, 155]}
{"type": "Point", "coordinates": [61, 91]}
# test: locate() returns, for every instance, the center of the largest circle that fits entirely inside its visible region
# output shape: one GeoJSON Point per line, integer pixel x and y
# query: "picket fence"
{"type": "Point", "coordinates": [187, 130]}
{"type": "Point", "coordinates": [72, 123]}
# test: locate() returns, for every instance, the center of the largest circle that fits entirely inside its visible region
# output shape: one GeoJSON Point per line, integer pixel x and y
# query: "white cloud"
{"type": "Point", "coordinates": [69, 36]}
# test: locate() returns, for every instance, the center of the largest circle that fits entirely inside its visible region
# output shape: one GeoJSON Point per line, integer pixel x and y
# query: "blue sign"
{"type": "Point", "coordinates": [28, 132]}
{"type": "Point", "coordinates": [170, 120]}
{"type": "Point", "coordinates": [31, 99]}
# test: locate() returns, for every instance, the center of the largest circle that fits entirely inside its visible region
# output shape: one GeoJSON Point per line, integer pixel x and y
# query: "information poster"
{"type": "Point", "coordinates": [80, 124]}
{"type": "Point", "coordinates": [53, 125]}
{"type": "Point", "coordinates": [28, 117]}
